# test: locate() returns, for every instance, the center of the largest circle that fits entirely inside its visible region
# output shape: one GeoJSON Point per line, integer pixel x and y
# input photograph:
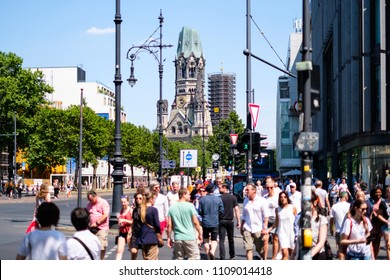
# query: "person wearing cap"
{"type": "Point", "coordinates": [338, 213]}
{"type": "Point", "coordinates": [210, 208]}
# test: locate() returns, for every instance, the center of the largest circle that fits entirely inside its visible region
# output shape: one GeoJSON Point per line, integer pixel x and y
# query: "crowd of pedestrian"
{"type": "Point", "coordinates": [204, 217]}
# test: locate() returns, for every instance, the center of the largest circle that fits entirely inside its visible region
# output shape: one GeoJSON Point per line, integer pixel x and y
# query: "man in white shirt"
{"type": "Point", "coordinates": [173, 194]}
{"type": "Point", "coordinates": [161, 203]}
{"type": "Point", "coordinates": [254, 219]}
{"type": "Point", "coordinates": [76, 250]}
{"type": "Point", "coordinates": [337, 216]}
{"type": "Point", "coordinates": [343, 187]}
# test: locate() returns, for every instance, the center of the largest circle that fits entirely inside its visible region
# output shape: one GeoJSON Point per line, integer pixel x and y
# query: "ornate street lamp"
{"type": "Point", "coordinates": [149, 46]}
{"type": "Point", "coordinates": [118, 161]}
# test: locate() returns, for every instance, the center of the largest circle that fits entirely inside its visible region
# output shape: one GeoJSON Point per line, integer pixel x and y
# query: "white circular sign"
{"type": "Point", "coordinates": [215, 157]}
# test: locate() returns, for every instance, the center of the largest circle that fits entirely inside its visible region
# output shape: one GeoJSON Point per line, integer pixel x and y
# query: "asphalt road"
{"type": "Point", "coordinates": [16, 214]}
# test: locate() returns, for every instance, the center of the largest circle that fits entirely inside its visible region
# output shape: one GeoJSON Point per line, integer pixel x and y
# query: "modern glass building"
{"type": "Point", "coordinates": [350, 44]}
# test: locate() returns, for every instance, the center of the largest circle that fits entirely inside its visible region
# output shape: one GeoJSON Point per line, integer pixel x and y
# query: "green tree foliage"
{"type": "Point", "coordinates": [23, 92]}
{"type": "Point", "coordinates": [219, 142]}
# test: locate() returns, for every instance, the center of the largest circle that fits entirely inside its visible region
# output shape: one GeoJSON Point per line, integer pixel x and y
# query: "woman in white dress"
{"type": "Point", "coordinates": [284, 223]}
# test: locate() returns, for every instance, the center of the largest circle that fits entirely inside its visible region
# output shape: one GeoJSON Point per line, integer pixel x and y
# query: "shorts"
{"type": "Point", "coordinates": [150, 252]}
{"type": "Point", "coordinates": [210, 231]}
{"type": "Point", "coordinates": [251, 239]}
{"type": "Point", "coordinates": [163, 225]}
{"type": "Point", "coordinates": [102, 235]}
{"type": "Point", "coordinates": [186, 248]}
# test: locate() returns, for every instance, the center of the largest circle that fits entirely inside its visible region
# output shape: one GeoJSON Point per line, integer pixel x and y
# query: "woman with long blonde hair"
{"type": "Point", "coordinates": [43, 195]}
{"type": "Point", "coordinates": [149, 228]}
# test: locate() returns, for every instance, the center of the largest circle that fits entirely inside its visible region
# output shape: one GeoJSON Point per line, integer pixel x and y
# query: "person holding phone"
{"type": "Point", "coordinates": [356, 233]}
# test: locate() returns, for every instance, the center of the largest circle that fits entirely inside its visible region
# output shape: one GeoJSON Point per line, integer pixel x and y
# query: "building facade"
{"type": "Point", "coordinates": [67, 83]}
{"type": "Point", "coordinates": [288, 109]}
{"type": "Point", "coordinates": [189, 115]}
{"type": "Point", "coordinates": [221, 95]}
{"type": "Point", "coordinates": [350, 44]}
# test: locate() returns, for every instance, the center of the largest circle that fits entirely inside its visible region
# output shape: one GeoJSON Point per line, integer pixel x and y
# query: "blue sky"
{"type": "Point", "coordinates": [47, 33]}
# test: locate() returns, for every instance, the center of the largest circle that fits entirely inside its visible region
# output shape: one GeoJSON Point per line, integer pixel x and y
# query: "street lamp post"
{"type": "Point", "coordinates": [118, 161]}
{"type": "Point", "coordinates": [149, 47]}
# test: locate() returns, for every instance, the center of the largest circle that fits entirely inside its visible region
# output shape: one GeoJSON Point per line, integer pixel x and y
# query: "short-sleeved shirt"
{"type": "Point", "coordinates": [315, 229]}
{"type": "Point", "coordinates": [254, 213]}
{"type": "Point", "coordinates": [44, 245]}
{"type": "Point", "coordinates": [97, 210]}
{"type": "Point", "coordinates": [181, 214]}
{"type": "Point", "coordinates": [357, 231]}
{"type": "Point", "coordinates": [76, 251]}
{"type": "Point", "coordinates": [161, 203]}
{"type": "Point", "coordinates": [229, 203]}
{"type": "Point", "coordinates": [172, 198]}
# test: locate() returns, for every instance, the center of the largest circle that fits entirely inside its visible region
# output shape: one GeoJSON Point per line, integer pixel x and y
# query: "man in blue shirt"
{"type": "Point", "coordinates": [210, 208]}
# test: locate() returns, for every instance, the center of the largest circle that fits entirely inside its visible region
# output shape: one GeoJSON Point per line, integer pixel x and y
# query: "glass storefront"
{"type": "Point", "coordinates": [375, 160]}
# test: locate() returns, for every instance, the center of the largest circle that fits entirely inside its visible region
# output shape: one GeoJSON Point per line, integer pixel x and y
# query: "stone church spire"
{"type": "Point", "coordinates": [189, 111]}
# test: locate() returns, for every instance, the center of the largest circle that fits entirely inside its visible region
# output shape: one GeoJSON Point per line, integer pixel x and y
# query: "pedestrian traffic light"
{"type": "Point", "coordinates": [230, 162]}
{"type": "Point", "coordinates": [245, 142]}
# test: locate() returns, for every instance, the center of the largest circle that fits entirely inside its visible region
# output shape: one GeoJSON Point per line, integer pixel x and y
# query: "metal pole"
{"type": "Point", "coordinates": [160, 129]}
{"type": "Point", "coordinates": [249, 178]}
{"type": "Point", "coordinates": [306, 156]}
{"type": "Point", "coordinates": [203, 145]}
{"type": "Point", "coordinates": [80, 188]}
{"type": "Point", "coordinates": [14, 162]}
{"type": "Point", "coordinates": [118, 162]}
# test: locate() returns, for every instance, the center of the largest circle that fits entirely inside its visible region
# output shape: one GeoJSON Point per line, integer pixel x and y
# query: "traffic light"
{"type": "Point", "coordinates": [245, 142]}
{"type": "Point", "coordinates": [230, 162]}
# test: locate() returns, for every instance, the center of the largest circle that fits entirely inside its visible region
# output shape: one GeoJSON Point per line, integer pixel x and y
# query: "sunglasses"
{"type": "Point", "coordinates": [138, 198]}
{"type": "Point", "coordinates": [363, 209]}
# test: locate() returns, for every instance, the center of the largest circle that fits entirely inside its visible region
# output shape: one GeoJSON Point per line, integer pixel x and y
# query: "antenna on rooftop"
{"type": "Point", "coordinates": [221, 67]}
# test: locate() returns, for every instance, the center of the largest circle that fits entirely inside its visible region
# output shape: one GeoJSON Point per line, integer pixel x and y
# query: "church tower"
{"type": "Point", "coordinates": [189, 111]}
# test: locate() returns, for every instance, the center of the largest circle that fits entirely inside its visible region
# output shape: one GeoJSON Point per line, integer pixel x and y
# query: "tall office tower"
{"type": "Point", "coordinates": [222, 95]}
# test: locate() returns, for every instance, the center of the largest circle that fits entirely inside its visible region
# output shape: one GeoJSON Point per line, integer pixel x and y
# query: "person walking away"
{"type": "Point", "coordinates": [183, 222]}
{"type": "Point", "coordinates": [149, 228]}
{"type": "Point", "coordinates": [99, 210]}
{"type": "Point", "coordinates": [124, 222]}
{"type": "Point", "coordinates": [161, 204]}
{"type": "Point", "coordinates": [253, 220]}
{"type": "Point", "coordinates": [44, 243]}
{"type": "Point", "coordinates": [226, 222]}
{"type": "Point", "coordinates": [355, 233]}
{"type": "Point", "coordinates": [338, 214]}
{"type": "Point", "coordinates": [284, 223]}
{"type": "Point", "coordinates": [210, 208]}
{"type": "Point", "coordinates": [343, 187]}
{"type": "Point", "coordinates": [84, 245]}
{"type": "Point", "coordinates": [136, 226]}
{"type": "Point", "coordinates": [323, 196]}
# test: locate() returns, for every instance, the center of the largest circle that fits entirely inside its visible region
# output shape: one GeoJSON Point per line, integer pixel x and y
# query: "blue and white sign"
{"type": "Point", "coordinates": [188, 158]}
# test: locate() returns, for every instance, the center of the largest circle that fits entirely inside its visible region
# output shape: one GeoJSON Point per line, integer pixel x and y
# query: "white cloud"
{"type": "Point", "coordinates": [100, 31]}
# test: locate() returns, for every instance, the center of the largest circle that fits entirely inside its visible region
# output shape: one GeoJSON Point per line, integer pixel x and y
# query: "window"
{"type": "Point", "coordinates": [284, 89]}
